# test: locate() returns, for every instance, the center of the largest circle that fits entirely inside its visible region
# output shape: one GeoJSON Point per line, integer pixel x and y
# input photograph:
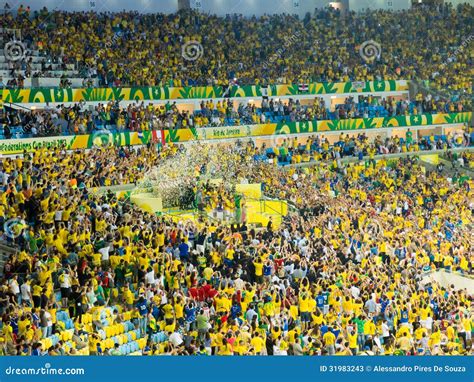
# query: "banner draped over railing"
{"type": "Point", "coordinates": [209, 133]}
{"type": "Point", "coordinates": [42, 95]}
{"type": "Point", "coordinates": [72, 142]}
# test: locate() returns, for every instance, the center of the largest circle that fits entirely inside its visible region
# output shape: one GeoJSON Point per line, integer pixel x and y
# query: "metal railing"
{"type": "Point", "coordinates": [16, 32]}
{"type": "Point", "coordinates": [265, 206]}
{"type": "Point", "coordinates": [384, 156]}
{"type": "Point", "coordinates": [13, 105]}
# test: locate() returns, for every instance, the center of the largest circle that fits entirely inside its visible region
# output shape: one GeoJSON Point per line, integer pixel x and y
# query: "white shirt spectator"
{"type": "Point", "coordinates": [4, 178]}
{"type": "Point", "coordinates": [176, 339]}
{"type": "Point", "coordinates": [150, 277]}
{"type": "Point", "coordinates": [239, 284]}
{"type": "Point", "coordinates": [355, 292]}
{"type": "Point", "coordinates": [385, 330]}
{"type": "Point", "coordinates": [289, 268]}
{"type": "Point", "coordinates": [278, 351]}
{"type": "Point", "coordinates": [428, 323]}
{"type": "Point", "coordinates": [58, 216]}
{"type": "Point", "coordinates": [250, 314]}
{"type": "Point", "coordinates": [14, 287]}
{"type": "Point", "coordinates": [49, 318]}
{"type": "Point", "coordinates": [105, 253]}
{"type": "Point", "coordinates": [25, 291]}
{"type": "Point", "coordinates": [65, 281]}
{"type": "Point", "coordinates": [149, 294]}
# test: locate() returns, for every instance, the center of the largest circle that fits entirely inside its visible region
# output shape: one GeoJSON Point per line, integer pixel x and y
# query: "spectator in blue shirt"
{"type": "Point", "coordinates": [183, 251]}
{"type": "Point", "coordinates": [267, 269]}
{"type": "Point", "coordinates": [190, 312]}
{"type": "Point", "coordinates": [235, 310]}
{"type": "Point", "coordinates": [320, 302]}
{"type": "Point", "coordinates": [143, 310]}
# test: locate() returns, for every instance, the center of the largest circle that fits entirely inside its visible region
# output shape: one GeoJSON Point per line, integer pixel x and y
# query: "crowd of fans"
{"type": "Point", "coordinates": [359, 145]}
{"type": "Point", "coordinates": [345, 274]}
{"type": "Point", "coordinates": [346, 271]}
{"type": "Point", "coordinates": [132, 49]}
{"type": "Point", "coordinates": [85, 119]}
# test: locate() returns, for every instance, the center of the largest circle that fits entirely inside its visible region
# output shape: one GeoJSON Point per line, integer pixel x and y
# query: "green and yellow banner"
{"type": "Point", "coordinates": [155, 93]}
{"type": "Point", "coordinates": [74, 142]}
{"type": "Point", "coordinates": [184, 135]}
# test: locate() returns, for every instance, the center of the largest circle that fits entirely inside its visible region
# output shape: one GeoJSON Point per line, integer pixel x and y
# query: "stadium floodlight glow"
{"type": "Point", "coordinates": [335, 4]}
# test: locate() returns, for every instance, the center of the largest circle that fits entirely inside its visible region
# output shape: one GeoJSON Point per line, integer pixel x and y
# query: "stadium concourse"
{"type": "Point", "coordinates": [345, 271]}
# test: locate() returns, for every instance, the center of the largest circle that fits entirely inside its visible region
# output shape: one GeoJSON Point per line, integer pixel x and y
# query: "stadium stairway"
{"type": "Point", "coordinates": [125, 334]}
{"type": "Point", "coordinates": [6, 250]}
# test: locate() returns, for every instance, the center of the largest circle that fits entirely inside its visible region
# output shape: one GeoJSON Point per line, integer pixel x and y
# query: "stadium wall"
{"type": "Point", "coordinates": [142, 6]}
{"type": "Point", "coordinates": [219, 7]}
{"type": "Point", "coordinates": [448, 279]}
{"type": "Point", "coordinates": [259, 7]}
{"type": "Point", "coordinates": [392, 5]}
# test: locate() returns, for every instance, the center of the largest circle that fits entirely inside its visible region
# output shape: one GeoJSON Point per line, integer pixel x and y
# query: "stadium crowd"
{"type": "Point", "coordinates": [343, 275]}
{"type": "Point", "coordinates": [132, 49]}
{"type": "Point", "coordinates": [80, 118]}
{"type": "Point", "coordinates": [346, 272]}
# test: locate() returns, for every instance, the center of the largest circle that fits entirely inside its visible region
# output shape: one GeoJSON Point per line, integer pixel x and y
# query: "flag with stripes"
{"type": "Point", "coordinates": [158, 136]}
{"type": "Point", "coordinates": [303, 88]}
